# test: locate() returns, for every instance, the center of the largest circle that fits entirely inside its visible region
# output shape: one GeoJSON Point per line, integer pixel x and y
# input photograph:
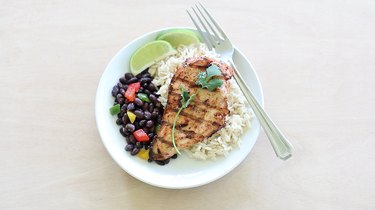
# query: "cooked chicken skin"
{"type": "Point", "coordinates": [204, 116]}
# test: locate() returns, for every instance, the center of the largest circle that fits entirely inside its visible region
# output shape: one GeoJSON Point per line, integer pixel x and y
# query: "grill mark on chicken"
{"type": "Point", "coordinates": [201, 113]}
{"type": "Point", "coordinates": [197, 101]}
{"type": "Point", "coordinates": [188, 134]}
{"type": "Point", "coordinates": [197, 119]}
{"type": "Point", "coordinates": [204, 116]}
{"type": "Point", "coordinates": [195, 104]}
{"type": "Point", "coordinates": [185, 127]}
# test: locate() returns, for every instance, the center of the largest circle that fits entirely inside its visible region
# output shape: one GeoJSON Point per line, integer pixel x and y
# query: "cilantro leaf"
{"type": "Point", "coordinates": [201, 78]}
{"type": "Point", "coordinates": [213, 84]}
{"type": "Point", "coordinates": [205, 80]}
{"type": "Point", "coordinates": [184, 94]}
{"type": "Point", "coordinates": [212, 71]}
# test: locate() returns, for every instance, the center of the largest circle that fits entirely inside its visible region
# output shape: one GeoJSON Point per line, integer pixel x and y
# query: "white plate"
{"type": "Point", "coordinates": [182, 172]}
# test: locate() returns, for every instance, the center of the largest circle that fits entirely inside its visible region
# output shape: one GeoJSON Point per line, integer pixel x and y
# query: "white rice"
{"type": "Point", "coordinates": [238, 120]}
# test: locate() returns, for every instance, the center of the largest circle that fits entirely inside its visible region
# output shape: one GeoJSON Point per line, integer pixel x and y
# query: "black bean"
{"type": "Point", "coordinates": [120, 85]}
{"type": "Point", "coordinates": [142, 123]}
{"type": "Point", "coordinates": [127, 140]}
{"type": "Point", "coordinates": [138, 101]}
{"type": "Point", "coordinates": [119, 96]}
{"type": "Point", "coordinates": [158, 104]}
{"type": "Point", "coordinates": [139, 76]}
{"type": "Point", "coordinates": [122, 91]}
{"type": "Point", "coordinates": [130, 127]}
{"type": "Point", "coordinates": [120, 115]}
{"type": "Point", "coordinates": [147, 115]}
{"type": "Point", "coordinates": [155, 113]}
{"type": "Point", "coordinates": [146, 74]}
{"type": "Point", "coordinates": [122, 80]}
{"type": "Point", "coordinates": [125, 119]}
{"type": "Point", "coordinates": [134, 151]}
{"type": "Point", "coordinates": [147, 92]}
{"type": "Point", "coordinates": [145, 106]}
{"type": "Point", "coordinates": [166, 161]}
{"type": "Point", "coordinates": [151, 87]}
{"type": "Point", "coordinates": [124, 132]}
{"type": "Point", "coordinates": [119, 121]}
{"type": "Point", "coordinates": [129, 147]}
{"type": "Point", "coordinates": [131, 107]}
{"type": "Point", "coordinates": [140, 114]}
{"type": "Point", "coordinates": [174, 156]}
{"type": "Point", "coordinates": [151, 107]}
{"type": "Point", "coordinates": [160, 162]}
{"type": "Point", "coordinates": [139, 145]}
{"type": "Point", "coordinates": [128, 75]}
{"type": "Point", "coordinates": [159, 119]}
{"type": "Point", "coordinates": [132, 80]}
{"type": "Point", "coordinates": [115, 91]}
{"type": "Point", "coordinates": [123, 108]}
{"type": "Point", "coordinates": [149, 123]}
{"type": "Point", "coordinates": [153, 98]}
{"type": "Point", "coordinates": [131, 139]}
{"type": "Point", "coordinates": [145, 80]}
{"type": "Point", "coordinates": [145, 85]}
{"type": "Point", "coordinates": [151, 135]}
{"type": "Point", "coordinates": [121, 100]}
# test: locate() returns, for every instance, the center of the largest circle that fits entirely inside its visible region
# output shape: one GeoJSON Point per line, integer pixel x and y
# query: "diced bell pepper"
{"type": "Point", "coordinates": [115, 109]}
{"type": "Point", "coordinates": [132, 90]}
{"type": "Point", "coordinates": [141, 135]}
{"type": "Point", "coordinates": [143, 154]}
{"type": "Point", "coordinates": [131, 116]}
{"type": "Point", "coordinates": [143, 97]}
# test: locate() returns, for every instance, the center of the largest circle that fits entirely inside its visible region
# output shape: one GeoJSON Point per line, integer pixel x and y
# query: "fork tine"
{"type": "Point", "coordinates": [214, 22]}
{"type": "Point", "coordinates": [216, 37]}
{"type": "Point", "coordinates": [209, 45]}
{"type": "Point", "coordinates": [208, 34]}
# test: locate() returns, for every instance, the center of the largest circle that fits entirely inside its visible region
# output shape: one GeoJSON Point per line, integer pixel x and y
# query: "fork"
{"type": "Point", "coordinates": [215, 39]}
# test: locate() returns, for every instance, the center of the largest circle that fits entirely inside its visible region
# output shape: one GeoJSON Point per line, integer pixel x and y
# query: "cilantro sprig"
{"type": "Point", "coordinates": [205, 79]}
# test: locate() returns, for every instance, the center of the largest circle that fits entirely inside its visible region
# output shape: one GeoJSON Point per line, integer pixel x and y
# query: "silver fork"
{"type": "Point", "coordinates": [217, 40]}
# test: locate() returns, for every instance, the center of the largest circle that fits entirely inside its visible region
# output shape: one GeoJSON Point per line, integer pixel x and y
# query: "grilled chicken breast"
{"type": "Point", "coordinates": [204, 116]}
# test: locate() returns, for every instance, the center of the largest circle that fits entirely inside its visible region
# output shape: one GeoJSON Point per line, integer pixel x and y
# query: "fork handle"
{"type": "Point", "coordinates": [282, 147]}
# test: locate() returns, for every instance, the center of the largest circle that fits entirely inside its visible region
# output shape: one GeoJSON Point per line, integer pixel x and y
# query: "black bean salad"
{"type": "Point", "coordinates": [139, 113]}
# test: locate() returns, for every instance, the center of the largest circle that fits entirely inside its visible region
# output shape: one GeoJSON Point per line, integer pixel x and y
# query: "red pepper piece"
{"type": "Point", "coordinates": [141, 135]}
{"type": "Point", "coordinates": [132, 90]}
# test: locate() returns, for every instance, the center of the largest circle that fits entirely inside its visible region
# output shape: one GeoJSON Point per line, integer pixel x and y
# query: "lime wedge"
{"type": "Point", "coordinates": [179, 30]}
{"type": "Point", "coordinates": [179, 37]}
{"type": "Point", "coordinates": [149, 54]}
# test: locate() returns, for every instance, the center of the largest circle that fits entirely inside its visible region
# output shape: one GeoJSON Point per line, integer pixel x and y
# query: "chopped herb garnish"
{"type": "Point", "coordinates": [204, 80]}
